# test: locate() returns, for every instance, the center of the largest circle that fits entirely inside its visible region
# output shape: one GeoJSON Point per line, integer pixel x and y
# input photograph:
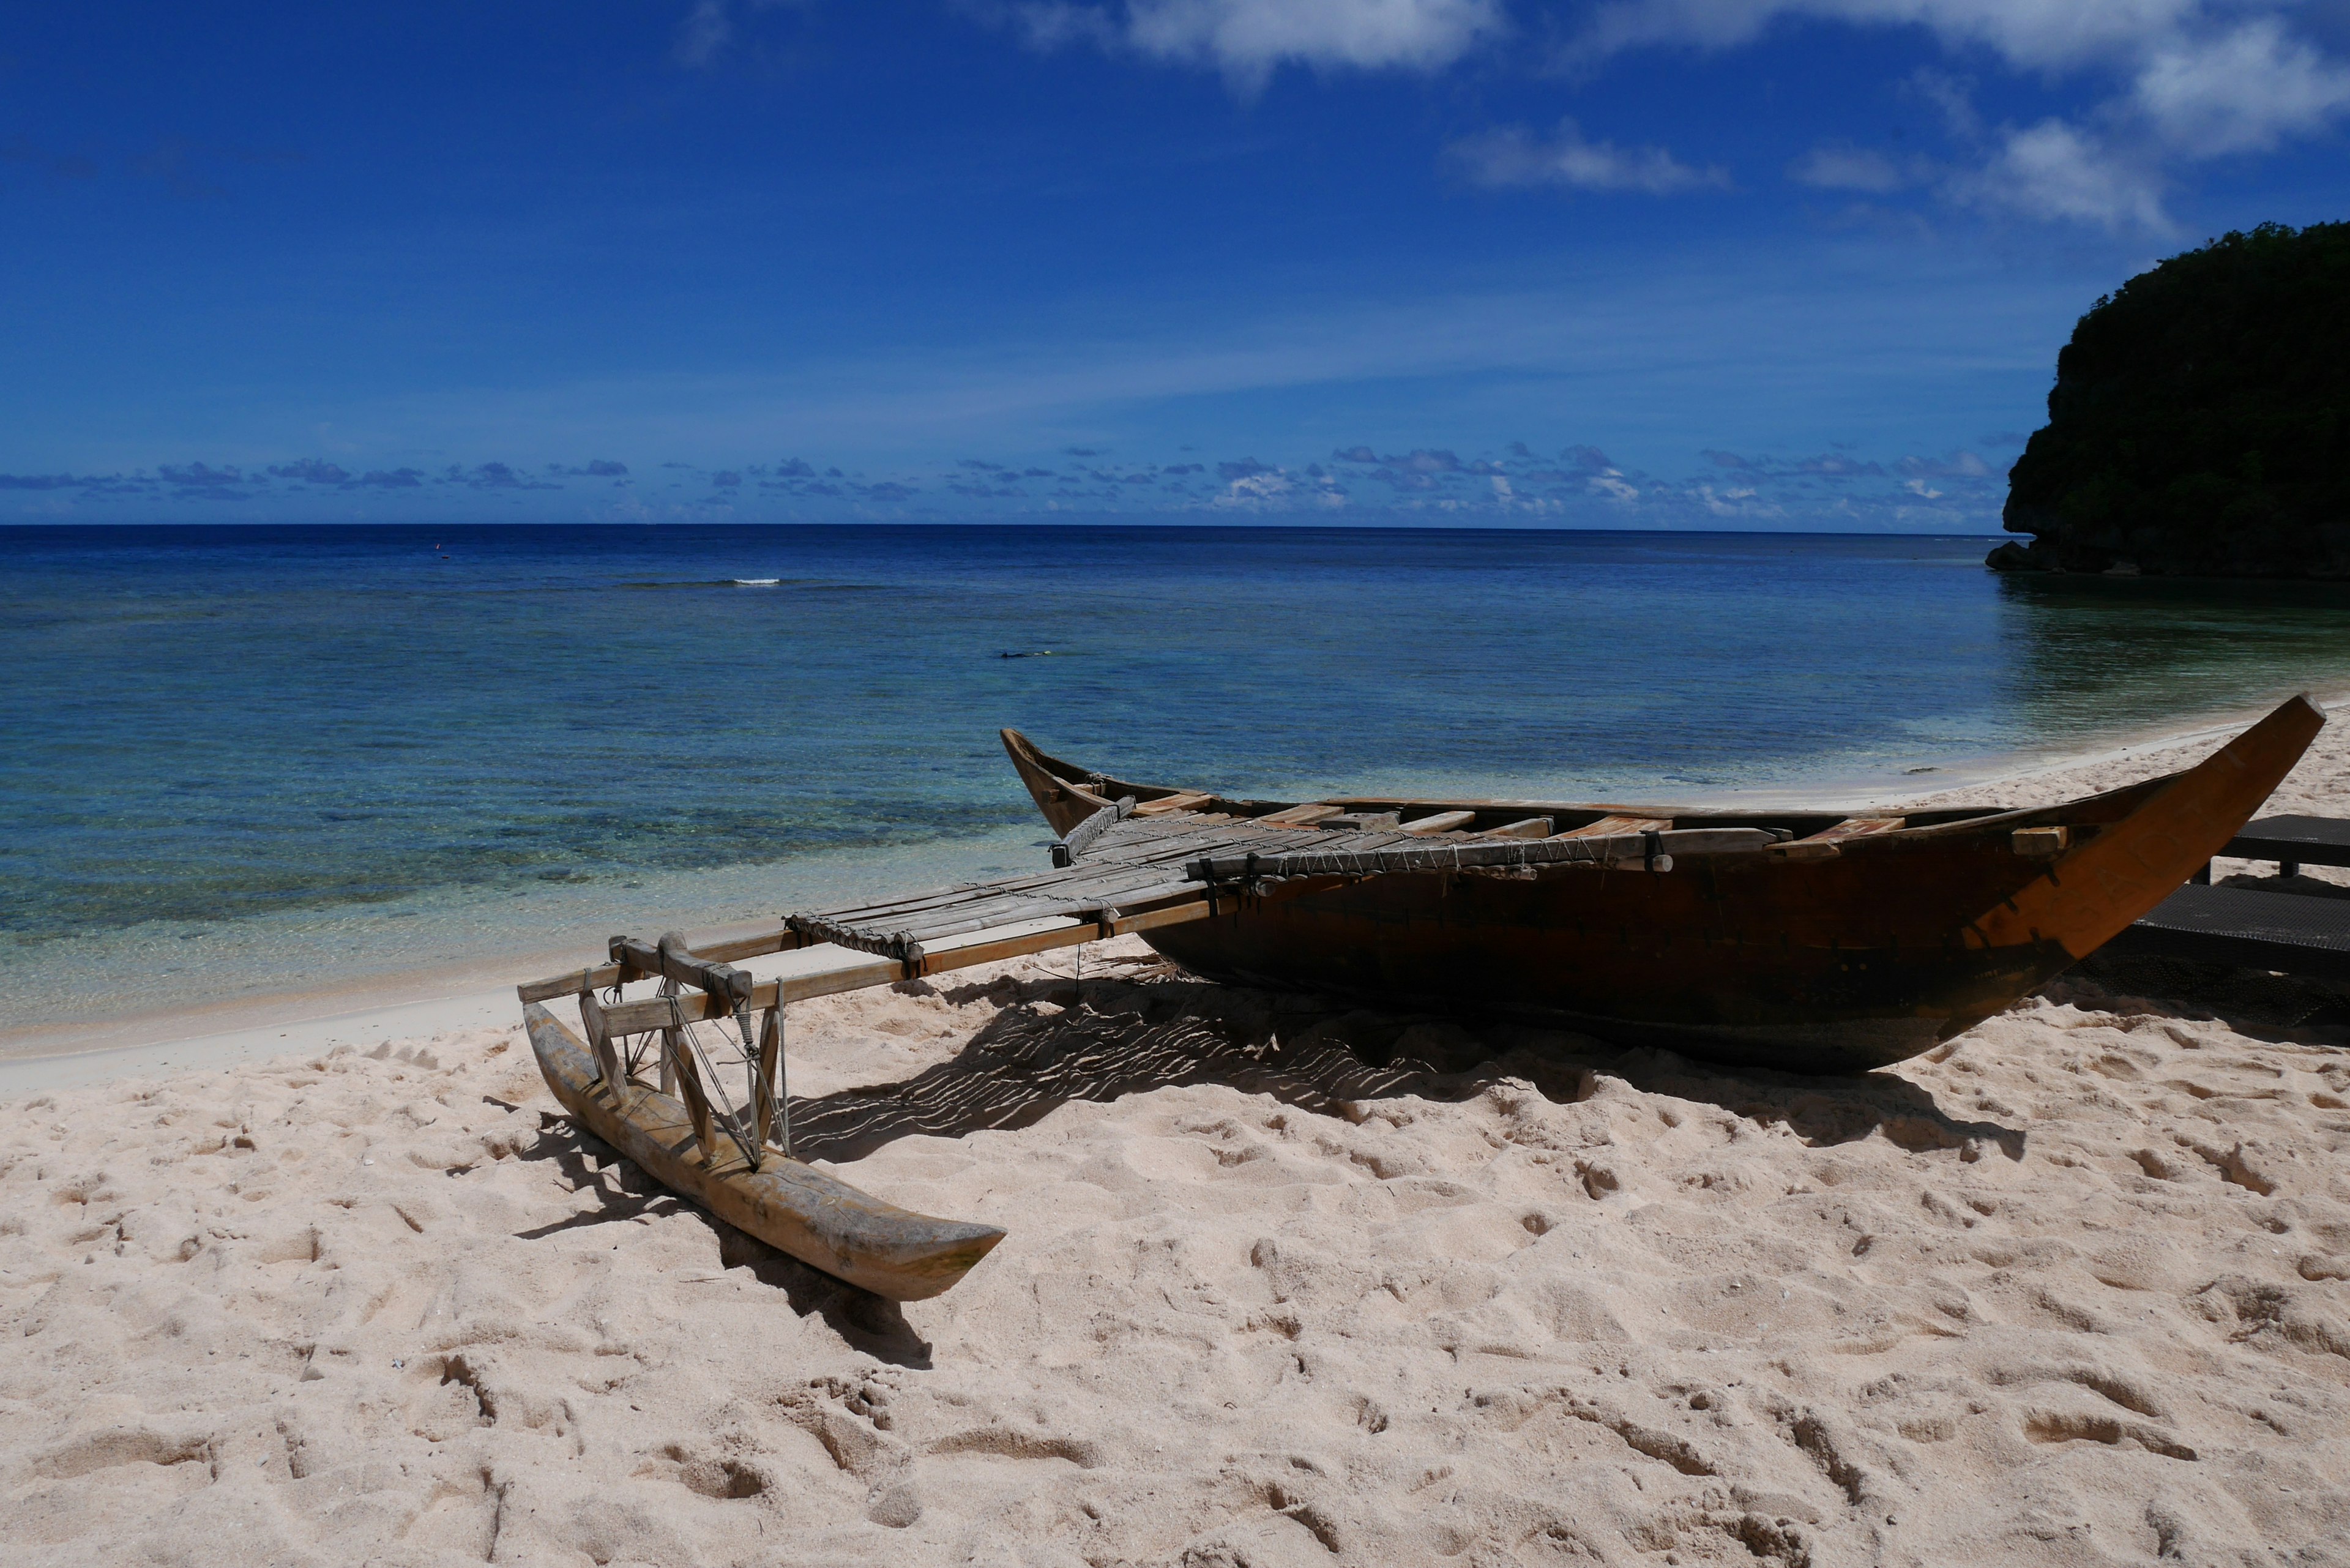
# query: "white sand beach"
{"type": "Point", "coordinates": [1284, 1284]}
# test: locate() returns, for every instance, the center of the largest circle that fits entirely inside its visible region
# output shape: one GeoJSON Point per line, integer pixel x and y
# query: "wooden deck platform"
{"type": "Point", "coordinates": [1130, 871]}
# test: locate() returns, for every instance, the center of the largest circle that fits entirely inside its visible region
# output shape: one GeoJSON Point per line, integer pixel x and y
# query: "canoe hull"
{"type": "Point", "coordinates": [1846, 957]}
{"type": "Point", "coordinates": [1632, 959]}
{"type": "Point", "coordinates": [827, 1224]}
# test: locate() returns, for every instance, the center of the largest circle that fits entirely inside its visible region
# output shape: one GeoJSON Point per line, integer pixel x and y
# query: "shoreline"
{"type": "Point", "coordinates": [1283, 1281]}
{"type": "Point", "coordinates": [441, 997]}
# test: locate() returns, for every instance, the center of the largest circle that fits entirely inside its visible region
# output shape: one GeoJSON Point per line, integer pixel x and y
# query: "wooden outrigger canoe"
{"type": "Point", "coordinates": [1809, 942]}
{"type": "Point", "coordinates": [1835, 944]}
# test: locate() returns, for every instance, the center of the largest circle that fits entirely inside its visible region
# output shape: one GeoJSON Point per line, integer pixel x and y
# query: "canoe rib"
{"type": "Point", "coordinates": [826, 1224]}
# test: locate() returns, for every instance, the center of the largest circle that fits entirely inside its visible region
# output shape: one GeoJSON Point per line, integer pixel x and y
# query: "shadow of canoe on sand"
{"type": "Point", "coordinates": [1130, 1035]}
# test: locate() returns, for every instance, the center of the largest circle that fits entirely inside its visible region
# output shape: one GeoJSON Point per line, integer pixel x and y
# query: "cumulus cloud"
{"type": "Point", "coordinates": [312, 470]}
{"type": "Point", "coordinates": [203, 482]}
{"type": "Point", "coordinates": [1249, 39]}
{"type": "Point", "coordinates": [2035, 33]}
{"type": "Point", "coordinates": [2053, 169]}
{"type": "Point", "coordinates": [1961, 464]}
{"type": "Point", "coordinates": [1510, 156]}
{"type": "Point", "coordinates": [2241, 93]}
{"type": "Point", "coordinates": [496, 476]}
{"type": "Point", "coordinates": [2194, 80]}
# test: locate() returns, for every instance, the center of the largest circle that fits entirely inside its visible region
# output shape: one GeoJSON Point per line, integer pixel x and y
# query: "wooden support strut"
{"type": "Point", "coordinates": [771, 1114]}
{"type": "Point", "coordinates": [680, 1068]}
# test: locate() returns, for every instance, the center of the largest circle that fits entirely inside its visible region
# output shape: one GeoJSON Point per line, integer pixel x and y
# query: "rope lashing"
{"type": "Point", "coordinates": [1080, 838]}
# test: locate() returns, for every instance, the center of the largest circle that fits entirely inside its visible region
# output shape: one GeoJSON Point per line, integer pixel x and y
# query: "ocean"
{"type": "Point", "coordinates": [243, 760]}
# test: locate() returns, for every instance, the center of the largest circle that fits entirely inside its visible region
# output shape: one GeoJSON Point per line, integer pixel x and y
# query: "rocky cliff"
{"type": "Point", "coordinates": [2200, 425]}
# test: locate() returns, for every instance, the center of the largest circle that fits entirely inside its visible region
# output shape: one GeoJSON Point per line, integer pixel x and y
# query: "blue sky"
{"type": "Point", "coordinates": [1641, 263]}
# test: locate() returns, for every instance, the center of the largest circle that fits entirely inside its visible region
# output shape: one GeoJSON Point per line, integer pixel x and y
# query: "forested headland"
{"type": "Point", "coordinates": [2200, 425]}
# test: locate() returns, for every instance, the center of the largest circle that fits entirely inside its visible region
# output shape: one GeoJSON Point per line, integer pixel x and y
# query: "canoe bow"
{"type": "Point", "coordinates": [2092, 894]}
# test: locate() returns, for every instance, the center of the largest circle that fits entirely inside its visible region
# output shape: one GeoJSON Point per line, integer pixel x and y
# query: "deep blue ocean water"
{"type": "Point", "coordinates": [247, 758]}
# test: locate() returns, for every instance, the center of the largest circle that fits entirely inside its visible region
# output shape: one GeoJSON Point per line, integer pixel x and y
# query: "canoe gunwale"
{"type": "Point", "coordinates": [1097, 790]}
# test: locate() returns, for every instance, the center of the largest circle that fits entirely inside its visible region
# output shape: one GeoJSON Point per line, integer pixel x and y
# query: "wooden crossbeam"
{"type": "Point", "coordinates": [1609, 826]}
{"type": "Point", "coordinates": [1443, 822]}
{"type": "Point", "coordinates": [859, 973]}
{"type": "Point", "coordinates": [1855, 827]}
{"type": "Point", "coordinates": [1299, 815]}
{"type": "Point", "coordinates": [1183, 801]}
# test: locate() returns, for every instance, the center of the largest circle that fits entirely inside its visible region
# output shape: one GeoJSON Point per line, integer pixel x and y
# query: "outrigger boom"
{"type": "Point", "coordinates": [740, 1165]}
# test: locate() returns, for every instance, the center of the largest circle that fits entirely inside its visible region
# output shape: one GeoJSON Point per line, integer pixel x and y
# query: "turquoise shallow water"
{"type": "Point", "coordinates": [246, 759]}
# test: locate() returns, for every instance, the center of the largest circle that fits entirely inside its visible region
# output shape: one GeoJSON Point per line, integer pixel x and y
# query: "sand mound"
{"type": "Point", "coordinates": [1283, 1285]}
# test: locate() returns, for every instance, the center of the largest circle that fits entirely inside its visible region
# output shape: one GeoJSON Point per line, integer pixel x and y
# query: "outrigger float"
{"type": "Point", "coordinates": [1805, 941]}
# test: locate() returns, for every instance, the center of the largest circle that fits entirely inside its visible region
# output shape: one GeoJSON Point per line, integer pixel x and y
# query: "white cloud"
{"type": "Point", "coordinates": [1835, 166]}
{"type": "Point", "coordinates": [2053, 170]}
{"type": "Point", "coordinates": [1248, 39]}
{"type": "Point", "coordinates": [2038, 35]}
{"type": "Point", "coordinates": [2196, 79]}
{"type": "Point", "coordinates": [1512, 157]}
{"type": "Point", "coordinates": [2241, 93]}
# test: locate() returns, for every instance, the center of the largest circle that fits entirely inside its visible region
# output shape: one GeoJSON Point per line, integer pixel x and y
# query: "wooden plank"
{"type": "Point", "coordinates": [1609, 826]}
{"type": "Point", "coordinates": [1443, 822]}
{"type": "Point", "coordinates": [1106, 882]}
{"type": "Point", "coordinates": [1144, 883]}
{"type": "Point", "coordinates": [1299, 815]}
{"type": "Point", "coordinates": [603, 977]}
{"type": "Point", "coordinates": [1855, 827]}
{"type": "Point", "coordinates": [1530, 827]}
{"type": "Point", "coordinates": [637, 1017]}
{"type": "Point", "coordinates": [672, 960]}
{"type": "Point", "coordinates": [1183, 800]}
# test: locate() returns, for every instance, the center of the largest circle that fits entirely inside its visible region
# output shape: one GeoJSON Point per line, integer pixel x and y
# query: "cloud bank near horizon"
{"type": "Point", "coordinates": [1512, 484]}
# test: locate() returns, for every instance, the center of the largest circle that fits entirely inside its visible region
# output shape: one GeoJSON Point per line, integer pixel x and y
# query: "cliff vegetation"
{"type": "Point", "coordinates": [2200, 425]}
